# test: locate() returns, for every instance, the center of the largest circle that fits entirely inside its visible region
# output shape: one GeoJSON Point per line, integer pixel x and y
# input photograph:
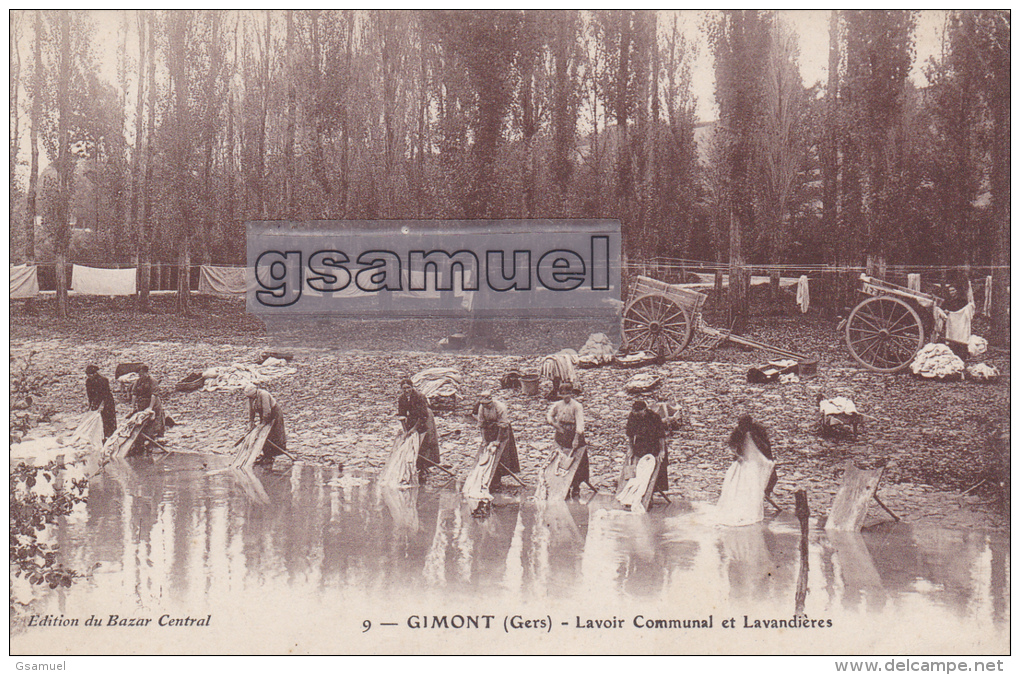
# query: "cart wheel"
{"type": "Point", "coordinates": [884, 334]}
{"type": "Point", "coordinates": [655, 323]}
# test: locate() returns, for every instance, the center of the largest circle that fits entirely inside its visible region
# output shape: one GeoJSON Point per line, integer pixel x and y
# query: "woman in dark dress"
{"type": "Point", "coordinates": [647, 434]}
{"type": "Point", "coordinates": [97, 388]}
{"type": "Point", "coordinates": [413, 407]}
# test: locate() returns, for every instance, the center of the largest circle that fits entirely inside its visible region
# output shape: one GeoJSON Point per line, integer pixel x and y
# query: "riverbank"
{"type": "Point", "coordinates": [936, 439]}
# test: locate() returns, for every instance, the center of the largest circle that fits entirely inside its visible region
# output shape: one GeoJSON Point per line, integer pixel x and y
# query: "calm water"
{"type": "Point", "coordinates": [300, 560]}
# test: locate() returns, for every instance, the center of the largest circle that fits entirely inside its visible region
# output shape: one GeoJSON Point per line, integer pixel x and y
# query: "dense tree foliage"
{"type": "Point", "coordinates": [215, 118]}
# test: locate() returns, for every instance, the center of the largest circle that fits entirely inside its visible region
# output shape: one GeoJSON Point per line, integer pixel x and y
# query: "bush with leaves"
{"type": "Point", "coordinates": [31, 512]}
{"type": "Point", "coordinates": [26, 382]}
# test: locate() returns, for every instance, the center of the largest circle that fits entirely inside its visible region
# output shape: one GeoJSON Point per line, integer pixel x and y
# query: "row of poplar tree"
{"type": "Point", "coordinates": [219, 117]}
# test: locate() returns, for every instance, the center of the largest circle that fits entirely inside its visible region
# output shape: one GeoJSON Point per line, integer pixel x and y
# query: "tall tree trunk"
{"type": "Point", "coordinates": [184, 275]}
{"type": "Point", "coordinates": [738, 279]}
{"type": "Point", "coordinates": [15, 65]}
{"type": "Point", "coordinates": [135, 184]}
{"type": "Point", "coordinates": [563, 120]}
{"type": "Point", "coordinates": [145, 228]}
{"type": "Point", "coordinates": [319, 169]}
{"type": "Point", "coordinates": [830, 142]}
{"type": "Point", "coordinates": [1000, 178]}
{"type": "Point", "coordinates": [345, 118]}
{"type": "Point", "coordinates": [31, 207]}
{"type": "Point", "coordinates": [260, 158]}
{"type": "Point", "coordinates": [65, 166]}
{"type": "Point", "coordinates": [230, 170]}
{"type": "Point", "coordinates": [177, 38]}
{"type": "Point", "coordinates": [209, 129]}
{"type": "Point", "coordinates": [290, 191]}
{"type": "Point", "coordinates": [419, 158]}
{"type": "Point", "coordinates": [621, 110]}
{"type": "Point", "coordinates": [529, 127]}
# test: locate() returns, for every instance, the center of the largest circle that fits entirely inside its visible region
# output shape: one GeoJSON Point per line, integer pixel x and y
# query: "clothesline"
{"type": "Point", "coordinates": [693, 265]}
{"type": "Point", "coordinates": [668, 263]}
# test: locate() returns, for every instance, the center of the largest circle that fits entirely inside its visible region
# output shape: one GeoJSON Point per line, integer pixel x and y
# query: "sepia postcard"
{"type": "Point", "coordinates": [358, 332]}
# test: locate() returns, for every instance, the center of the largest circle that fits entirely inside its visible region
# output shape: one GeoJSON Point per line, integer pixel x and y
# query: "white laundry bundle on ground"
{"type": "Point", "coordinates": [598, 350]}
{"type": "Point", "coordinates": [977, 345]}
{"type": "Point", "coordinates": [559, 365]}
{"type": "Point", "coordinates": [936, 360]}
{"type": "Point", "coordinates": [839, 405]}
{"type": "Point", "coordinates": [642, 382]}
{"type": "Point", "coordinates": [438, 384]}
{"type": "Point", "coordinates": [982, 372]}
{"type": "Point", "coordinates": [239, 375]}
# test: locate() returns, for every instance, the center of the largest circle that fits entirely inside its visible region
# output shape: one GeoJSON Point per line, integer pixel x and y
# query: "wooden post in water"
{"type": "Point", "coordinates": [773, 285]}
{"type": "Point", "coordinates": [803, 514]}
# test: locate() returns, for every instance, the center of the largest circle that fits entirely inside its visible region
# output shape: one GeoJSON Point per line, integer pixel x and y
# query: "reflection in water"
{"type": "Point", "coordinates": [181, 531]}
{"type": "Point", "coordinates": [757, 564]}
{"type": "Point", "coordinates": [862, 583]}
{"type": "Point", "coordinates": [545, 551]}
{"type": "Point", "coordinates": [468, 552]}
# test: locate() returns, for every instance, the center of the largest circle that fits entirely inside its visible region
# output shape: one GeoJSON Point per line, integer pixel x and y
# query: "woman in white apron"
{"type": "Point", "coordinates": [750, 477]}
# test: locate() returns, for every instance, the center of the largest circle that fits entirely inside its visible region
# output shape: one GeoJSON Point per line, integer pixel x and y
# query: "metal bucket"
{"type": "Point", "coordinates": [529, 384]}
{"type": "Point", "coordinates": [807, 367]}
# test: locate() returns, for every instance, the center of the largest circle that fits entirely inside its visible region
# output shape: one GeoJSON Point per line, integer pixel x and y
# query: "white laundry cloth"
{"type": "Point", "coordinates": [24, 281]}
{"type": "Point", "coordinates": [215, 280]}
{"type": "Point", "coordinates": [743, 490]}
{"type": "Point", "coordinates": [99, 281]}
{"type": "Point", "coordinates": [958, 324]}
{"type": "Point", "coordinates": [803, 296]}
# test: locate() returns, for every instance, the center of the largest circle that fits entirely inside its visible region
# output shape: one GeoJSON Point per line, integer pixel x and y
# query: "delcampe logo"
{"type": "Point", "coordinates": [429, 268]}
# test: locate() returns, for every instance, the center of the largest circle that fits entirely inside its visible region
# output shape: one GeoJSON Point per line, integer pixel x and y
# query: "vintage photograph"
{"type": "Point", "coordinates": [343, 332]}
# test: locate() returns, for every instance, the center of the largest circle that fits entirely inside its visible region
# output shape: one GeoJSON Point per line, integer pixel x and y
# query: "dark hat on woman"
{"type": "Point", "coordinates": [91, 368]}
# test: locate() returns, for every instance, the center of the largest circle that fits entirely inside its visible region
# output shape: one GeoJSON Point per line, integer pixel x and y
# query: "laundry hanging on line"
{"type": "Point", "coordinates": [213, 280]}
{"type": "Point", "coordinates": [24, 281]}
{"type": "Point", "coordinates": [803, 295]}
{"type": "Point", "coordinates": [101, 281]}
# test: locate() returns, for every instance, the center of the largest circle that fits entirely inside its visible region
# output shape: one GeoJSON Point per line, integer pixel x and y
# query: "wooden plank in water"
{"type": "Point", "coordinates": [554, 482]}
{"type": "Point", "coordinates": [850, 507]}
{"type": "Point", "coordinates": [646, 491]}
{"type": "Point", "coordinates": [482, 475]}
{"type": "Point", "coordinates": [251, 447]}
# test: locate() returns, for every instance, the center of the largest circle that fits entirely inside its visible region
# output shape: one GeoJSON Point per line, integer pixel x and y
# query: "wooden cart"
{"type": "Point", "coordinates": [886, 329]}
{"type": "Point", "coordinates": [660, 317]}
{"type": "Point", "coordinates": [665, 319]}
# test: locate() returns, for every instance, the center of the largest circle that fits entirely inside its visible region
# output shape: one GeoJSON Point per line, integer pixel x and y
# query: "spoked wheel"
{"type": "Point", "coordinates": [884, 334]}
{"type": "Point", "coordinates": [656, 324]}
